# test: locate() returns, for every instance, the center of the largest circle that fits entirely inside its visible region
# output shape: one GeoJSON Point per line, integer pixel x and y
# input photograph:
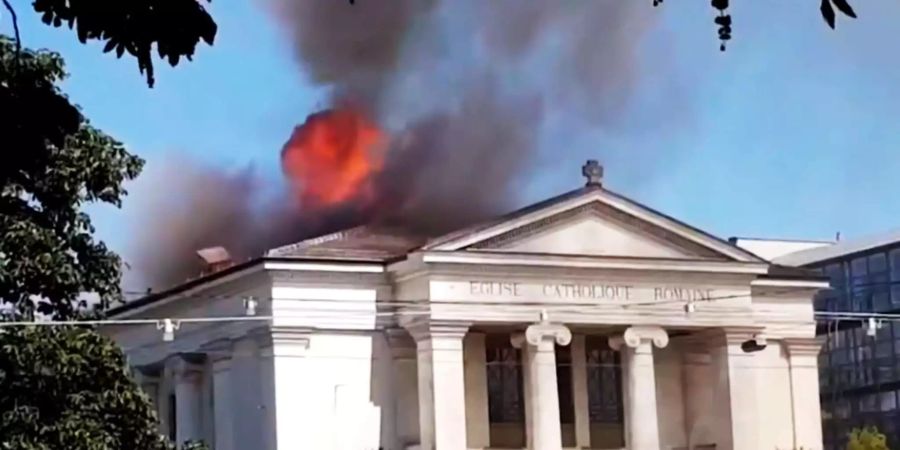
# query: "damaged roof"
{"type": "Point", "coordinates": [363, 243]}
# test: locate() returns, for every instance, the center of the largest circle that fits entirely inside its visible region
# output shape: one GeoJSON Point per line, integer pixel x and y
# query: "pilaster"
{"type": "Point", "coordinates": [805, 404]}
{"type": "Point", "coordinates": [406, 405]}
{"type": "Point", "coordinates": [737, 407]}
{"type": "Point", "coordinates": [441, 382]}
{"type": "Point", "coordinates": [284, 363]}
{"type": "Point", "coordinates": [246, 371]}
{"type": "Point", "coordinates": [475, 365]}
{"type": "Point", "coordinates": [223, 397]}
{"type": "Point", "coordinates": [699, 417]}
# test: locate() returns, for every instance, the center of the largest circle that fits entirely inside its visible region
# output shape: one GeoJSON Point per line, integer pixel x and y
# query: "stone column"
{"type": "Point", "coordinates": [542, 399]}
{"type": "Point", "coordinates": [580, 392]}
{"type": "Point", "coordinates": [442, 396]}
{"type": "Point", "coordinates": [223, 411]}
{"type": "Point", "coordinates": [737, 402]}
{"type": "Point", "coordinates": [475, 362]}
{"type": "Point", "coordinates": [188, 399]}
{"type": "Point", "coordinates": [641, 419]}
{"type": "Point", "coordinates": [805, 404]}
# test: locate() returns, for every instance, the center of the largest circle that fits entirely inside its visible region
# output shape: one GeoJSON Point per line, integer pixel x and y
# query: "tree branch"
{"type": "Point", "coordinates": [15, 22]}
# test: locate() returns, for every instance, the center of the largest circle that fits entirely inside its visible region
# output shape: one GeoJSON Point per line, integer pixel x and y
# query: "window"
{"type": "Point", "coordinates": [604, 383]}
{"type": "Point", "coordinates": [878, 282]}
{"type": "Point", "coordinates": [867, 403]}
{"type": "Point", "coordinates": [859, 285]}
{"type": "Point", "coordinates": [838, 281]}
{"type": "Point", "coordinates": [504, 380]}
{"type": "Point", "coordinates": [895, 276]}
{"type": "Point", "coordinates": [878, 263]}
{"type": "Point", "coordinates": [858, 268]}
{"type": "Point", "coordinates": [888, 401]}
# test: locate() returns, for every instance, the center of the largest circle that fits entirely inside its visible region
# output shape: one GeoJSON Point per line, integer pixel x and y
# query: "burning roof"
{"type": "Point", "coordinates": [359, 243]}
{"type": "Point", "coordinates": [415, 131]}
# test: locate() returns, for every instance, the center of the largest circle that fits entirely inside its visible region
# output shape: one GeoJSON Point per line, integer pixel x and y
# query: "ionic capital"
{"type": "Point", "coordinates": [543, 332]}
{"type": "Point", "coordinates": [634, 336]}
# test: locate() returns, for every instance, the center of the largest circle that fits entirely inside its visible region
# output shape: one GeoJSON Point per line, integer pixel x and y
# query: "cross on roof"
{"type": "Point", "coordinates": [593, 171]}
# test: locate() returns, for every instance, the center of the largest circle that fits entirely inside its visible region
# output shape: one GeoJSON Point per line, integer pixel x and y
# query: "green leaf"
{"type": "Point", "coordinates": [844, 7]}
{"type": "Point", "coordinates": [59, 163]}
{"type": "Point", "coordinates": [721, 5]}
{"type": "Point", "coordinates": [827, 13]}
{"type": "Point", "coordinates": [175, 27]}
{"type": "Point", "coordinates": [67, 385]}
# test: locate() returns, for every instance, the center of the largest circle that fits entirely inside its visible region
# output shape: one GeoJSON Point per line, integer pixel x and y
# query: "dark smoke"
{"type": "Point", "coordinates": [456, 76]}
{"type": "Point", "coordinates": [202, 206]}
{"type": "Point", "coordinates": [356, 49]}
{"type": "Point", "coordinates": [437, 180]}
{"type": "Point", "coordinates": [464, 87]}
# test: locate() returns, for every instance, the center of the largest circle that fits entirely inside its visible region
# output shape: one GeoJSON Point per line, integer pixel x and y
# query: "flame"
{"type": "Point", "coordinates": [332, 157]}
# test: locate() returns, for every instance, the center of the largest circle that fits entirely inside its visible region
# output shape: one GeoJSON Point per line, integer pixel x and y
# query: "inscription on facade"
{"type": "Point", "coordinates": [677, 293]}
{"type": "Point", "coordinates": [589, 291]}
{"type": "Point", "coordinates": [494, 288]}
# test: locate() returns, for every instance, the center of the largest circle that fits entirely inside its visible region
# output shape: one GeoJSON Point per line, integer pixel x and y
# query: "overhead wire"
{"type": "Point", "coordinates": [376, 308]}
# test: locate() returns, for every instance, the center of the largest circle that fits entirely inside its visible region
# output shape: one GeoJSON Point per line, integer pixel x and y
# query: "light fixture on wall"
{"type": "Point", "coordinates": [168, 326]}
{"type": "Point", "coordinates": [872, 327]}
{"type": "Point", "coordinates": [250, 305]}
{"type": "Point", "coordinates": [757, 344]}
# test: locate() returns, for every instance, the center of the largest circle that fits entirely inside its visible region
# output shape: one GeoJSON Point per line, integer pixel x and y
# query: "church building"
{"type": "Point", "coordinates": [585, 321]}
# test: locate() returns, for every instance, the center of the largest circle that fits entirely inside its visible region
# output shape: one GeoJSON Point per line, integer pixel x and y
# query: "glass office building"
{"type": "Point", "coordinates": [859, 368]}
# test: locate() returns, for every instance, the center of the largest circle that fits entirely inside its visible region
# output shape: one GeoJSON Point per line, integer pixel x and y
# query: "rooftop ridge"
{"type": "Point", "coordinates": [335, 236]}
{"type": "Point", "coordinates": [752, 238]}
{"type": "Point", "coordinates": [841, 249]}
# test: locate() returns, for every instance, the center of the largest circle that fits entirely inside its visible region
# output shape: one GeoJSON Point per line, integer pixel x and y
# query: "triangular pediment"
{"type": "Point", "coordinates": [593, 222]}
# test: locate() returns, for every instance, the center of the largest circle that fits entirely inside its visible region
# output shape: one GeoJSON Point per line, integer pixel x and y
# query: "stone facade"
{"type": "Point", "coordinates": [610, 324]}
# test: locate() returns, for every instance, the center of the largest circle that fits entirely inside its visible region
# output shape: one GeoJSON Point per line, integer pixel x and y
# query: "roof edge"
{"type": "Point", "coordinates": [200, 281]}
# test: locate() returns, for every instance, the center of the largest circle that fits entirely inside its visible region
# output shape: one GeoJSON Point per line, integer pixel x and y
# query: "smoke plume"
{"type": "Point", "coordinates": [463, 89]}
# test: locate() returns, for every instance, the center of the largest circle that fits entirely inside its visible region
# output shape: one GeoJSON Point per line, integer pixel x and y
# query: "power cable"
{"type": "Point", "coordinates": [169, 325]}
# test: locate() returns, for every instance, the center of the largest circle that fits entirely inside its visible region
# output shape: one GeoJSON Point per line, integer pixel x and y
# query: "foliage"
{"type": "Point", "coordinates": [723, 19]}
{"type": "Point", "coordinates": [868, 438]}
{"type": "Point", "coordinates": [61, 387]}
{"type": "Point", "coordinates": [67, 387]}
{"type": "Point", "coordinates": [194, 445]}
{"type": "Point", "coordinates": [174, 27]}
{"type": "Point", "coordinates": [54, 162]}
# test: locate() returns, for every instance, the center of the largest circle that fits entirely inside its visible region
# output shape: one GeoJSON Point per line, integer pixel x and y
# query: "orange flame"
{"type": "Point", "coordinates": [332, 157]}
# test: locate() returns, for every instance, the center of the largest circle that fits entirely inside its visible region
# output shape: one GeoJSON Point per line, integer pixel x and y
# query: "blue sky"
{"type": "Point", "coordinates": [790, 133]}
